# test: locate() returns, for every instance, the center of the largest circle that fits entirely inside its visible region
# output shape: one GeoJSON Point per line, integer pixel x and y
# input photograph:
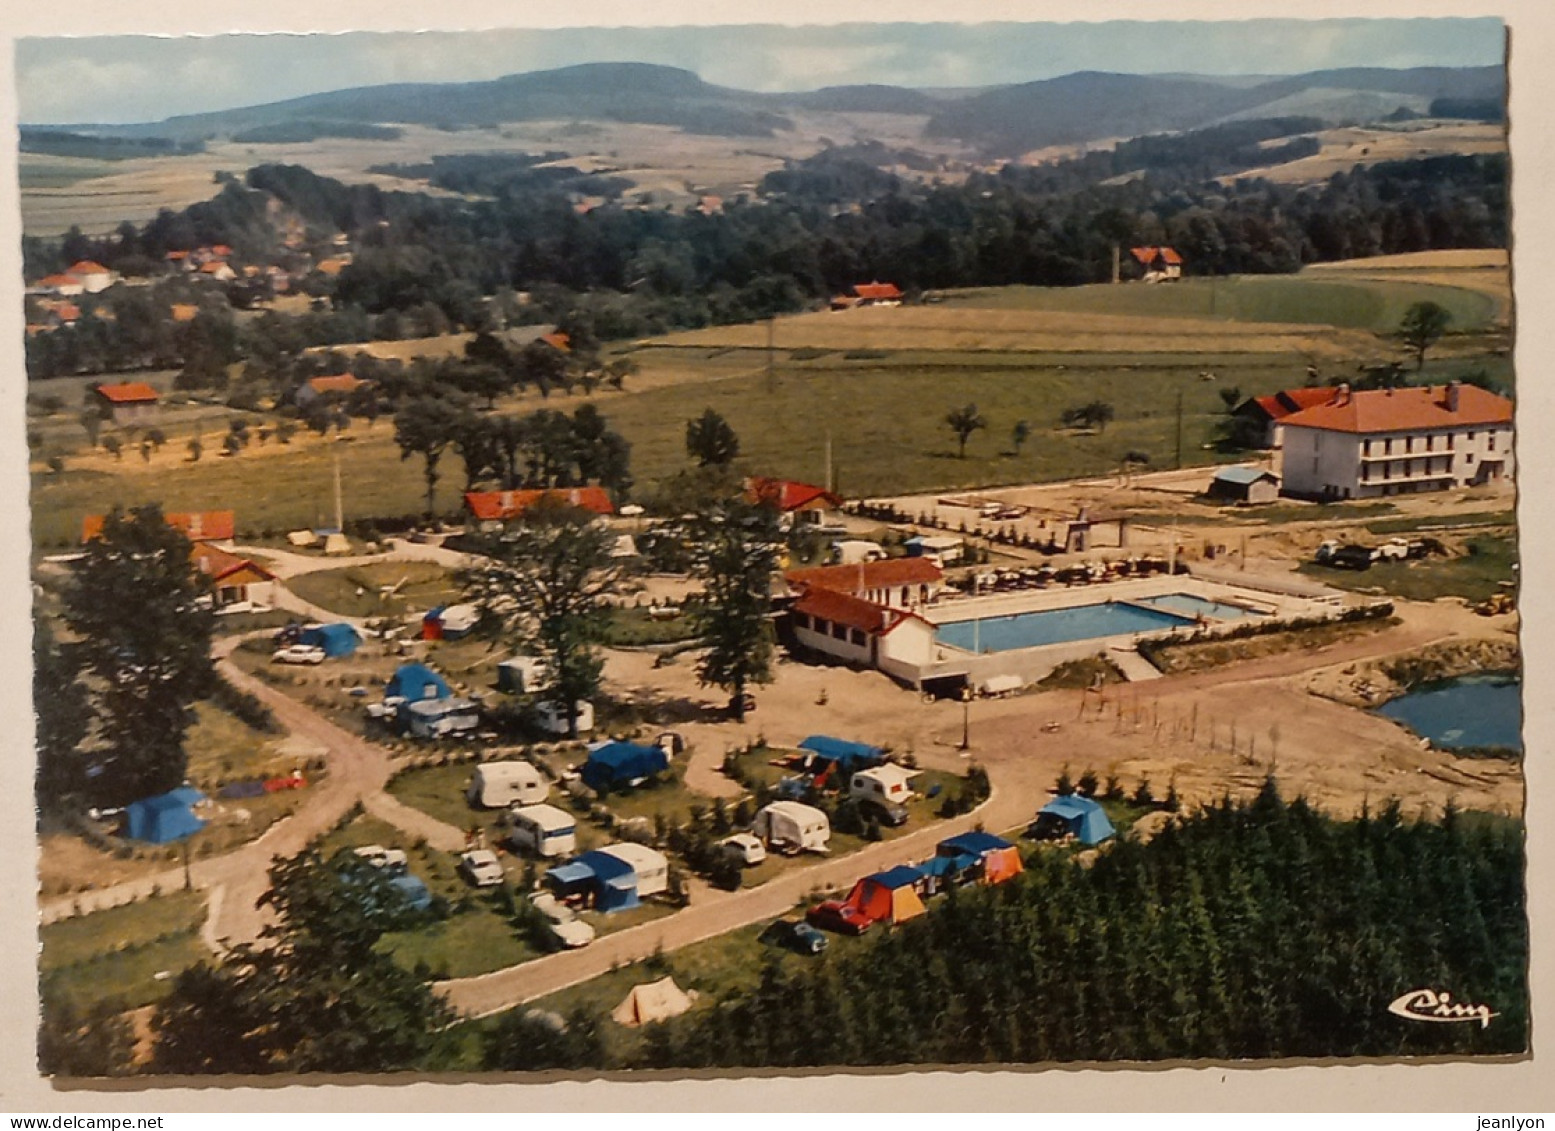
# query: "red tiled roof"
{"type": "Point", "coordinates": [556, 339]}
{"type": "Point", "coordinates": [336, 383]}
{"type": "Point", "coordinates": [1148, 255]}
{"type": "Point", "coordinates": [1171, 256]}
{"type": "Point", "coordinates": [877, 291]}
{"type": "Point", "coordinates": [490, 506]}
{"type": "Point", "coordinates": [1403, 410]}
{"type": "Point", "coordinates": [198, 526]}
{"type": "Point", "coordinates": [787, 494]}
{"type": "Point", "coordinates": [67, 311]}
{"type": "Point", "coordinates": [218, 564]}
{"type": "Point", "coordinates": [86, 267]}
{"type": "Point", "coordinates": [867, 575]}
{"type": "Point", "coordinates": [1282, 404]}
{"type": "Point", "coordinates": [132, 392]}
{"type": "Point", "coordinates": [177, 255]}
{"type": "Point", "coordinates": [59, 281]}
{"type": "Point", "coordinates": [840, 608]}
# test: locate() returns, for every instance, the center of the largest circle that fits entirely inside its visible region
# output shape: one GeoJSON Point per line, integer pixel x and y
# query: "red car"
{"type": "Point", "coordinates": [835, 915]}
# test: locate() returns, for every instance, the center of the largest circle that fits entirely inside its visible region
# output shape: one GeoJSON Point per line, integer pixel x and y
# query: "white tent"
{"type": "Point", "coordinates": [652, 1001]}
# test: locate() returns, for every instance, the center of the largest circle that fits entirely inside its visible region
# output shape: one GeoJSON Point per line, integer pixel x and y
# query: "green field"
{"type": "Point", "coordinates": [1374, 305]}
{"type": "Point", "coordinates": [1490, 560]}
{"type": "Point", "coordinates": [117, 954]}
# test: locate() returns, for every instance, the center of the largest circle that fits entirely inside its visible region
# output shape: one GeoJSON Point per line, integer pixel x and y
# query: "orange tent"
{"type": "Point", "coordinates": [889, 896]}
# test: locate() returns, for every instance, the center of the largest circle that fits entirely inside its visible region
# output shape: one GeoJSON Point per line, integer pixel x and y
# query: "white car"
{"type": "Point", "coordinates": [482, 868]}
{"type": "Point", "coordinates": [562, 920]}
{"type": "Point", "coordinates": [745, 848]}
{"type": "Point", "coordinates": [298, 654]}
{"type": "Point", "coordinates": [393, 859]}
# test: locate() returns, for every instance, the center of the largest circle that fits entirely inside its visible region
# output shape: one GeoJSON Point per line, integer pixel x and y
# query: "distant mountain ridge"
{"type": "Point", "coordinates": [1076, 108]}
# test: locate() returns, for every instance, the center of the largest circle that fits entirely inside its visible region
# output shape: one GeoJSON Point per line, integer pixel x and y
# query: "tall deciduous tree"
{"type": "Point", "coordinates": [425, 427]}
{"type": "Point", "coordinates": [143, 641]}
{"type": "Point", "coordinates": [711, 441]}
{"type": "Point", "coordinates": [548, 584]}
{"type": "Point", "coordinates": [60, 704]}
{"type": "Point", "coordinates": [320, 997]}
{"type": "Point", "coordinates": [736, 550]}
{"type": "Point", "coordinates": [963, 422]}
{"type": "Point", "coordinates": [1422, 327]}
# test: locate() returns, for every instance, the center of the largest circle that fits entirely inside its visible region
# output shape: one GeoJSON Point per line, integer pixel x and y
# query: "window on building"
{"type": "Point", "coordinates": [1490, 441]}
{"type": "Point", "coordinates": [855, 637]}
{"type": "Point", "coordinates": [839, 631]}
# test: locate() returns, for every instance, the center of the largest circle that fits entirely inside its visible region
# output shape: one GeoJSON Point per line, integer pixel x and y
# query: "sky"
{"type": "Point", "coordinates": [119, 79]}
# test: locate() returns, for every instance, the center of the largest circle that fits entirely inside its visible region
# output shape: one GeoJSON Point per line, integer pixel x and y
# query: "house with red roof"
{"type": "Point", "coordinates": [94, 276]}
{"type": "Point", "coordinates": [1257, 419]}
{"type": "Point", "coordinates": [197, 526]}
{"type": "Point", "coordinates": [858, 631]}
{"type": "Point", "coordinates": [1382, 442]}
{"type": "Point", "coordinates": [896, 583]}
{"type": "Point", "coordinates": [868, 294]}
{"type": "Point", "coordinates": [336, 386]}
{"type": "Point", "coordinates": [1160, 264]}
{"type": "Point", "coordinates": [129, 403]}
{"type": "Point", "coordinates": [64, 284]}
{"type": "Point", "coordinates": [234, 580]}
{"type": "Point", "coordinates": [802, 503]}
{"type": "Point", "coordinates": [490, 509]}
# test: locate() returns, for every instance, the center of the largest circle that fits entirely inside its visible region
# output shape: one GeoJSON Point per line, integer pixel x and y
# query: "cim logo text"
{"type": "Point", "coordinates": [1431, 1005]}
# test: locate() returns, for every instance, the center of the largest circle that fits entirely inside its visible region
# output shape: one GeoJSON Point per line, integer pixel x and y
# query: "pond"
{"type": "Point", "coordinates": [1471, 711]}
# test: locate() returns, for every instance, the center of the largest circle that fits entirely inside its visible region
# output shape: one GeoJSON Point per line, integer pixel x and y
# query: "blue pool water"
{"type": "Point", "coordinates": [1191, 606]}
{"type": "Point", "coordinates": [1056, 626]}
{"type": "Point", "coordinates": [1477, 710]}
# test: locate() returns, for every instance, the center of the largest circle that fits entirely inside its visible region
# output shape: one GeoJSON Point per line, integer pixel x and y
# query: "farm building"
{"type": "Point", "coordinates": [898, 583]}
{"type": "Point", "coordinates": [1245, 485]}
{"type": "Point", "coordinates": [613, 765]}
{"type": "Point", "coordinates": [490, 509]}
{"type": "Point", "coordinates": [890, 896]}
{"type": "Point", "coordinates": [1256, 421]}
{"type": "Point", "coordinates": [868, 294]}
{"type": "Point", "coordinates": [414, 682]}
{"type": "Point", "coordinates": [497, 785]}
{"type": "Point", "coordinates": [164, 818]}
{"type": "Point", "coordinates": [1073, 815]}
{"type": "Point", "coordinates": [1159, 264]}
{"type": "Point", "coordinates": [1383, 442]}
{"type": "Point", "coordinates": [861, 632]}
{"type": "Point", "coordinates": [197, 526]}
{"type": "Point", "coordinates": [788, 824]}
{"type": "Point", "coordinates": [129, 403]}
{"type": "Point", "coordinates": [800, 503]}
{"type": "Point", "coordinates": [338, 639]}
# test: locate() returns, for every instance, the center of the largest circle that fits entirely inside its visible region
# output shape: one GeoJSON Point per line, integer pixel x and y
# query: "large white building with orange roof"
{"type": "Point", "coordinates": [1383, 442]}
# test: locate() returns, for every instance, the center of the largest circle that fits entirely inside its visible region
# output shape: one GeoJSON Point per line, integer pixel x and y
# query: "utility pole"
{"type": "Point", "coordinates": [1179, 429]}
{"type": "Point", "coordinates": [340, 521]}
{"type": "Point", "coordinates": [828, 479]}
{"type": "Point", "coordinates": [1117, 263]}
{"type": "Point", "coordinates": [771, 370]}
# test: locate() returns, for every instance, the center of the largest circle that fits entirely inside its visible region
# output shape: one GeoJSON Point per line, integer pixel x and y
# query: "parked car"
{"type": "Point", "coordinates": [1344, 557]}
{"type": "Point", "coordinates": [744, 847]}
{"type": "Point", "coordinates": [392, 859]}
{"type": "Point", "coordinates": [791, 934]}
{"type": "Point", "coordinates": [835, 915]}
{"type": "Point", "coordinates": [482, 868]}
{"type": "Point", "coordinates": [562, 921]}
{"type": "Point", "coordinates": [886, 812]}
{"type": "Point", "coordinates": [298, 654]}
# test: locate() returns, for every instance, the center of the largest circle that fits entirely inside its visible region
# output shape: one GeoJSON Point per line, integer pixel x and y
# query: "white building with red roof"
{"type": "Point", "coordinates": [804, 503]}
{"type": "Point", "coordinates": [131, 402]}
{"type": "Point", "coordinates": [896, 641]}
{"type": "Point", "coordinates": [896, 583]}
{"type": "Point", "coordinates": [1382, 442]}
{"type": "Point", "coordinates": [94, 276]}
{"type": "Point", "coordinates": [490, 509]}
{"type": "Point", "coordinates": [1161, 264]}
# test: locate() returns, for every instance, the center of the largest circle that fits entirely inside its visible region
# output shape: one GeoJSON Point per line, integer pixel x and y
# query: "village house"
{"type": "Point", "coordinates": [1245, 485]}
{"type": "Point", "coordinates": [64, 285]}
{"type": "Point", "coordinates": [338, 386]}
{"type": "Point", "coordinates": [490, 509]}
{"type": "Point", "coordinates": [868, 294]}
{"type": "Point", "coordinates": [219, 270]}
{"type": "Point", "coordinates": [801, 504]}
{"type": "Point", "coordinates": [94, 276]}
{"type": "Point", "coordinates": [234, 580]}
{"type": "Point", "coordinates": [896, 583]}
{"type": "Point", "coordinates": [197, 526]}
{"type": "Point", "coordinates": [857, 631]}
{"type": "Point", "coordinates": [1382, 442]}
{"type": "Point", "coordinates": [131, 403]}
{"type": "Point", "coordinates": [1257, 419]}
{"type": "Point", "coordinates": [1161, 264]}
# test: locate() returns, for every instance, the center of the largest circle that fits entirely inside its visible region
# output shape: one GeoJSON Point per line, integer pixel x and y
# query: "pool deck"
{"type": "Point", "coordinates": [1034, 663]}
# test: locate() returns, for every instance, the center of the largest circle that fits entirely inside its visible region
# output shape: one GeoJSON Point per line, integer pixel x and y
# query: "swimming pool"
{"type": "Point", "coordinates": [1186, 604]}
{"type": "Point", "coordinates": [1057, 626]}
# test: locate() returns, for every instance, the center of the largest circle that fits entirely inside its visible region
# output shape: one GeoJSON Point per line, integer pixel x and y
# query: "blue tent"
{"type": "Point", "coordinates": [901, 876]}
{"type": "Point", "coordinates": [336, 639]}
{"type": "Point", "coordinates": [974, 844]}
{"type": "Point", "coordinates": [848, 756]}
{"type": "Point", "coordinates": [616, 763]}
{"type": "Point", "coordinates": [1078, 815]}
{"type": "Point", "coordinates": [415, 682]}
{"type": "Point", "coordinates": [611, 880]}
{"type": "Point", "coordinates": [164, 818]}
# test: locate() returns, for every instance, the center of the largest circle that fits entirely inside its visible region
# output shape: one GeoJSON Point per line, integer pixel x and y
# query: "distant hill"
{"type": "Point", "coordinates": [1091, 105]}
{"type": "Point", "coordinates": [1081, 107]}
